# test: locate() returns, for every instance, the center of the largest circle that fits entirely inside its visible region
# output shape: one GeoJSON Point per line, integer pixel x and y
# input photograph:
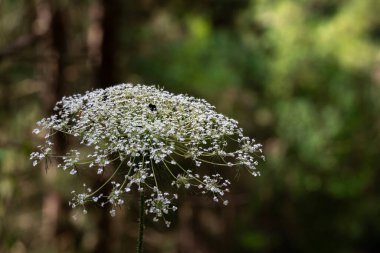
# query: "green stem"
{"type": "Point", "coordinates": [141, 223]}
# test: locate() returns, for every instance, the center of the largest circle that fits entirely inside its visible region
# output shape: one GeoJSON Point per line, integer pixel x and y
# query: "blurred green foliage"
{"type": "Point", "coordinates": [301, 76]}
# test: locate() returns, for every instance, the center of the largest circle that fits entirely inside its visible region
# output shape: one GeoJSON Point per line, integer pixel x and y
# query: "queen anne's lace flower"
{"type": "Point", "coordinates": [147, 132]}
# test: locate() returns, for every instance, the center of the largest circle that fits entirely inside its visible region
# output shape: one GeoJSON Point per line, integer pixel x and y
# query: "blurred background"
{"type": "Point", "coordinates": [301, 76]}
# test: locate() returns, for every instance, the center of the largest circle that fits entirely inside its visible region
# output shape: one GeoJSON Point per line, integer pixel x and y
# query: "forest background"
{"type": "Point", "coordinates": [301, 76]}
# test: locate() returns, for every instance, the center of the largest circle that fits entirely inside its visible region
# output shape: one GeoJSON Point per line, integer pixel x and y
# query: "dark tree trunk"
{"type": "Point", "coordinates": [52, 28]}
{"type": "Point", "coordinates": [103, 44]}
{"type": "Point", "coordinates": [103, 41]}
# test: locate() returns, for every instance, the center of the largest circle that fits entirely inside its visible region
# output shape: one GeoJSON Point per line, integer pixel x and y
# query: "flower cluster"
{"type": "Point", "coordinates": [142, 134]}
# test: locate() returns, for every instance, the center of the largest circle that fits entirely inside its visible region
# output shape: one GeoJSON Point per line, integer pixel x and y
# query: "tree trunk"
{"type": "Point", "coordinates": [103, 40]}
{"type": "Point", "coordinates": [51, 24]}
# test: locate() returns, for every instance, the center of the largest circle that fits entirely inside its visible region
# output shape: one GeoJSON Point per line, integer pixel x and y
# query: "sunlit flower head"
{"type": "Point", "coordinates": [145, 135]}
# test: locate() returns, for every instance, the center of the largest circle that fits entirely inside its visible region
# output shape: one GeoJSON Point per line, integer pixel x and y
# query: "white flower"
{"type": "Point", "coordinates": [146, 131]}
{"type": "Point", "coordinates": [36, 131]}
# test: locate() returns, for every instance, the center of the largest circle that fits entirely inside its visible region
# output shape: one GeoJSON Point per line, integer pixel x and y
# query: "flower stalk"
{"type": "Point", "coordinates": [141, 223]}
{"type": "Point", "coordinates": [149, 132]}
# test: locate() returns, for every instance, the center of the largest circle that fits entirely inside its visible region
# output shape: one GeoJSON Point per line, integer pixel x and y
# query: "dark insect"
{"type": "Point", "coordinates": [105, 97]}
{"type": "Point", "coordinates": [152, 107]}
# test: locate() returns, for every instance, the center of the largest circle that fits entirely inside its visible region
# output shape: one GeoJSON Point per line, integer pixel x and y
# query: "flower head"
{"type": "Point", "coordinates": [147, 132]}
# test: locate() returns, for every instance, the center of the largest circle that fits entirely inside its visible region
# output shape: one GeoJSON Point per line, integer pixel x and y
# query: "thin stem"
{"type": "Point", "coordinates": [108, 180]}
{"type": "Point", "coordinates": [141, 224]}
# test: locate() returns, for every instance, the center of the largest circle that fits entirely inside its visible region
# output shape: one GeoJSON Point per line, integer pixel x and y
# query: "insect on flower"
{"type": "Point", "coordinates": [152, 107]}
